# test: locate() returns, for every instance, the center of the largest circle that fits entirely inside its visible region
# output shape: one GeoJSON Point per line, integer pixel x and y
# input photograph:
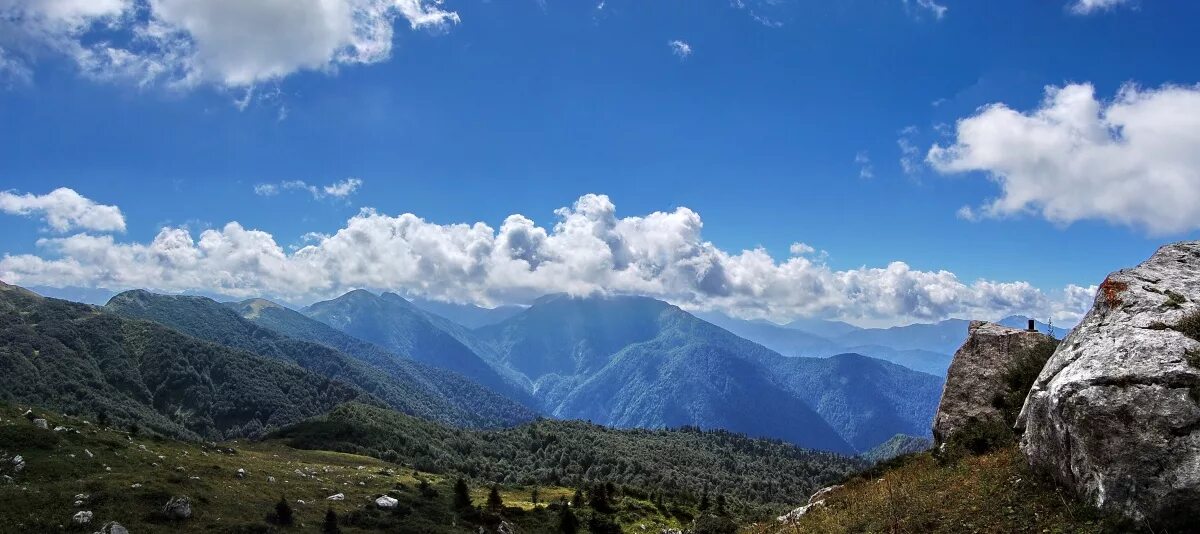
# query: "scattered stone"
{"type": "Point", "coordinates": [336, 497]}
{"type": "Point", "coordinates": [7, 479]}
{"type": "Point", "coordinates": [385, 502]}
{"type": "Point", "coordinates": [81, 518]}
{"type": "Point", "coordinates": [141, 447]}
{"type": "Point", "coordinates": [977, 376]}
{"type": "Point", "coordinates": [241, 473]}
{"type": "Point", "coordinates": [816, 500]}
{"type": "Point", "coordinates": [18, 463]}
{"type": "Point", "coordinates": [61, 429]}
{"type": "Point", "coordinates": [90, 455]}
{"type": "Point", "coordinates": [113, 527]}
{"type": "Point", "coordinates": [178, 508]}
{"type": "Point", "coordinates": [506, 528]}
{"type": "Point", "coordinates": [135, 485]}
{"type": "Point", "coordinates": [1115, 413]}
{"type": "Point", "coordinates": [271, 479]}
{"type": "Point", "coordinates": [41, 423]}
{"type": "Point", "coordinates": [300, 502]}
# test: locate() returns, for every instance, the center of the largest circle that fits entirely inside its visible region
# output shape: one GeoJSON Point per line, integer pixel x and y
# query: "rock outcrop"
{"type": "Point", "coordinates": [1115, 413]}
{"type": "Point", "coordinates": [178, 508]}
{"type": "Point", "coordinates": [976, 377]}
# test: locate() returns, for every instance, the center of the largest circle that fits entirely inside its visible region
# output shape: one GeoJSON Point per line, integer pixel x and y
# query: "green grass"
{"type": "Point", "coordinates": [991, 493]}
{"type": "Point", "coordinates": [41, 499]}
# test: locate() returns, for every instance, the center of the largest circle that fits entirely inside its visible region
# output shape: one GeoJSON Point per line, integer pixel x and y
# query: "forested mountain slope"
{"type": "Point", "coordinates": [398, 383]}
{"type": "Point", "coordinates": [77, 358]}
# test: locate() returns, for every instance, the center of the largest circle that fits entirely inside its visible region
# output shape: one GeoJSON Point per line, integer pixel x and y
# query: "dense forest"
{"type": "Point", "coordinates": [686, 461]}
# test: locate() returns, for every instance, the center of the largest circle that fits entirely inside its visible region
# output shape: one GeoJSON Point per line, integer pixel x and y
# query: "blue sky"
{"type": "Point", "coordinates": [763, 129]}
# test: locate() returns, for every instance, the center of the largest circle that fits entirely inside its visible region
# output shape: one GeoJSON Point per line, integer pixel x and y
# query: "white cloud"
{"type": "Point", "coordinates": [680, 48]}
{"type": "Point", "coordinates": [64, 210]}
{"type": "Point", "coordinates": [933, 8]}
{"type": "Point", "coordinates": [865, 169]}
{"type": "Point", "coordinates": [1132, 161]}
{"type": "Point", "coordinates": [229, 43]}
{"type": "Point", "coordinates": [588, 249]}
{"type": "Point", "coordinates": [910, 155]}
{"type": "Point", "coordinates": [1087, 7]}
{"type": "Point", "coordinates": [341, 190]}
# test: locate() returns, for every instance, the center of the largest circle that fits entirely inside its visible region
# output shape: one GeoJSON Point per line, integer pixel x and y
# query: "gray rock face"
{"type": "Point", "coordinates": [1115, 413]}
{"type": "Point", "coordinates": [976, 376]}
{"type": "Point", "coordinates": [113, 527]}
{"type": "Point", "coordinates": [178, 508]}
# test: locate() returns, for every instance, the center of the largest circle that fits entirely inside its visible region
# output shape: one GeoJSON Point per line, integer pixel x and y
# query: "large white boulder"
{"type": "Point", "coordinates": [1115, 413]}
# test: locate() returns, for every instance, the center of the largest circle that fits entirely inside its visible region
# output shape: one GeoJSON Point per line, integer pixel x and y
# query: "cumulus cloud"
{"type": "Point", "coordinates": [680, 48]}
{"type": "Point", "coordinates": [589, 249]}
{"type": "Point", "coordinates": [1134, 160]}
{"type": "Point", "coordinates": [64, 210]}
{"type": "Point", "coordinates": [230, 43]}
{"type": "Point", "coordinates": [341, 190]}
{"type": "Point", "coordinates": [1087, 7]}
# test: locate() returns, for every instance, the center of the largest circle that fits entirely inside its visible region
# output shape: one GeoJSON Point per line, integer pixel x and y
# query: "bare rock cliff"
{"type": "Point", "coordinates": [977, 376]}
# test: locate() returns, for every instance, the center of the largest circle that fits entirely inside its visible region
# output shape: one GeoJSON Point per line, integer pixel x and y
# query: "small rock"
{"type": "Point", "coordinates": [41, 423]}
{"type": "Point", "coordinates": [141, 447]}
{"type": "Point", "coordinates": [113, 527]}
{"type": "Point", "coordinates": [179, 468]}
{"type": "Point", "coordinates": [271, 479]}
{"type": "Point", "coordinates": [336, 497]}
{"type": "Point", "coordinates": [385, 502]}
{"type": "Point", "coordinates": [61, 429]}
{"type": "Point", "coordinates": [135, 485]}
{"type": "Point", "coordinates": [298, 501]}
{"type": "Point", "coordinates": [241, 473]}
{"type": "Point", "coordinates": [90, 455]}
{"type": "Point", "coordinates": [81, 518]}
{"type": "Point", "coordinates": [178, 508]}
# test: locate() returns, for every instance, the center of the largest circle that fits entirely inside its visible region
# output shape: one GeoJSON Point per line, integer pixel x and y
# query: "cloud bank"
{"type": "Point", "coordinates": [229, 43]}
{"type": "Point", "coordinates": [1131, 161]}
{"type": "Point", "coordinates": [589, 249]}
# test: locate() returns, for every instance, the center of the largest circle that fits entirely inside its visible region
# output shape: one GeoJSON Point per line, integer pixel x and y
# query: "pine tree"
{"type": "Point", "coordinates": [533, 495]}
{"type": "Point", "coordinates": [598, 499]}
{"type": "Point", "coordinates": [283, 512]}
{"type": "Point", "coordinates": [494, 503]}
{"type": "Point", "coordinates": [577, 500]}
{"type": "Point", "coordinates": [704, 501]}
{"type": "Point", "coordinates": [331, 523]}
{"type": "Point", "coordinates": [567, 522]}
{"type": "Point", "coordinates": [720, 504]}
{"type": "Point", "coordinates": [462, 494]}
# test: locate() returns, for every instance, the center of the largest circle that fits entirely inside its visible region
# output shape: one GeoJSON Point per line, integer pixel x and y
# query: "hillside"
{"type": "Point", "coordinates": [397, 383]}
{"type": "Point", "coordinates": [547, 452]}
{"type": "Point", "coordinates": [395, 324]}
{"type": "Point", "coordinates": [994, 492]}
{"type": "Point", "coordinates": [640, 362]}
{"type": "Point", "coordinates": [129, 478]}
{"type": "Point", "coordinates": [80, 359]}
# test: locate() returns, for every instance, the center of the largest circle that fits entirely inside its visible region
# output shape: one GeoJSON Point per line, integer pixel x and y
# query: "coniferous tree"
{"type": "Point", "coordinates": [462, 494]}
{"type": "Point", "coordinates": [283, 513]}
{"type": "Point", "coordinates": [577, 500]}
{"type": "Point", "coordinates": [331, 523]}
{"type": "Point", "coordinates": [533, 495]}
{"type": "Point", "coordinates": [598, 499]}
{"type": "Point", "coordinates": [721, 504]}
{"type": "Point", "coordinates": [567, 522]}
{"type": "Point", "coordinates": [494, 503]}
{"type": "Point", "coordinates": [704, 501]}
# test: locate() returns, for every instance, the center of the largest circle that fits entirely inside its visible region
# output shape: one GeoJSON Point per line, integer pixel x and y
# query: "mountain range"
{"type": "Point", "coordinates": [926, 347]}
{"type": "Point", "coordinates": [638, 362]}
{"type": "Point", "coordinates": [618, 361]}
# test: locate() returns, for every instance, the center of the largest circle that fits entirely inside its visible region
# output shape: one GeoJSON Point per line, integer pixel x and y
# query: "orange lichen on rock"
{"type": "Point", "coordinates": [1112, 289]}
